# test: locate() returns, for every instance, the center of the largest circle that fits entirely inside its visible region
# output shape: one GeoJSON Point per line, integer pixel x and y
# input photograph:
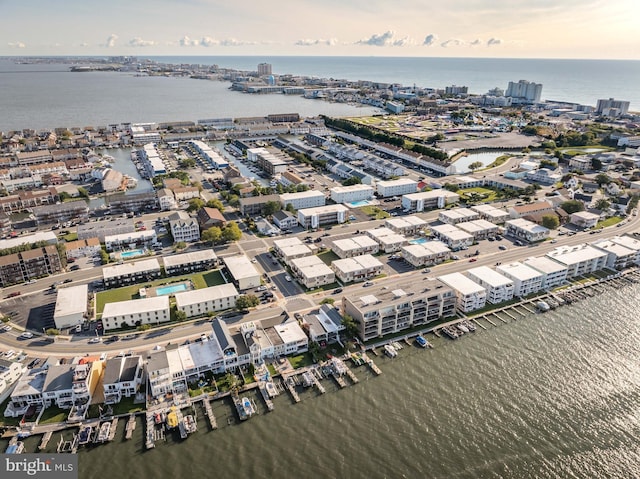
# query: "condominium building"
{"type": "Point", "coordinates": [458, 215]}
{"type": "Point", "coordinates": [479, 229]}
{"type": "Point", "coordinates": [406, 225]}
{"type": "Point", "coordinates": [210, 156]}
{"type": "Point", "coordinates": [429, 200]}
{"type": "Point", "coordinates": [389, 240]}
{"type": "Point", "coordinates": [526, 280]}
{"type": "Point", "coordinates": [584, 219]}
{"type": "Point", "coordinates": [103, 229]}
{"type": "Point", "coordinates": [83, 248]}
{"type": "Point", "coordinates": [452, 236]}
{"type": "Point", "coordinates": [312, 272]}
{"type": "Point", "coordinates": [322, 215]}
{"type": "Point", "coordinates": [426, 254]}
{"type": "Point", "coordinates": [184, 228]}
{"type": "Point", "coordinates": [357, 268]}
{"type": "Point", "coordinates": [612, 107]}
{"type": "Point", "coordinates": [580, 259]}
{"type": "Point", "coordinates": [253, 205]}
{"type": "Point", "coordinates": [243, 273]}
{"type": "Point", "coordinates": [499, 288]}
{"type": "Point", "coordinates": [526, 230]}
{"type": "Point", "coordinates": [207, 300]}
{"type": "Point", "coordinates": [303, 199]}
{"type": "Point", "coordinates": [127, 240]}
{"type": "Point", "coordinates": [324, 325]}
{"type": "Point", "coordinates": [351, 194]}
{"type": "Point", "coordinates": [618, 255]}
{"type": "Point", "coordinates": [387, 309]}
{"type": "Point", "coordinates": [71, 306]}
{"type": "Point", "coordinates": [202, 260]}
{"type": "Point", "coordinates": [469, 294]}
{"type": "Point", "coordinates": [136, 312]}
{"type": "Point", "coordinates": [123, 377]}
{"type": "Point", "coordinates": [290, 248]}
{"type": "Point", "coordinates": [524, 91]}
{"type": "Point", "coordinates": [355, 246]}
{"type": "Point", "coordinates": [491, 213]}
{"type": "Point", "coordinates": [553, 273]}
{"type": "Point", "coordinates": [399, 187]}
{"type": "Point", "coordinates": [629, 242]}
{"type": "Point", "coordinates": [30, 264]}
{"type": "Point", "coordinates": [130, 273]}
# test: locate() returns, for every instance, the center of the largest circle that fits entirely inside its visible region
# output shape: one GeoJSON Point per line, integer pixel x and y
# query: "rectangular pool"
{"type": "Point", "coordinates": [171, 289]}
{"type": "Point", "coordinates": [131, 253]}
{"type": "Point", "coordinates": [418, 241]}
{"type": "Point", "coordinates": [360, 203]}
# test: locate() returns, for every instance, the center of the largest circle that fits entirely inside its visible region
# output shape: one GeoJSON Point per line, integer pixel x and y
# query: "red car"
{"type": "Point", "coordinates": [473, 260]}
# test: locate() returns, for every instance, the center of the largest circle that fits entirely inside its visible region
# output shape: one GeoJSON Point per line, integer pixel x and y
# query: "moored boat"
{"type": "Point", "coordinates": [15, 448]}
{"type": "Point", "coordinates": [422, 342]}
{"type": "Point", "coordinates": [543, 306]}
{"type": "Point", "coordinates": [390, 351]}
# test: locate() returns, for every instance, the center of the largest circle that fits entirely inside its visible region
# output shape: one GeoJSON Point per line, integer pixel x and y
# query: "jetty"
{"type": "Point", "coordinates": [376, 370]}
{"type": "Point", "coordinates": [112, 429]}
{"type": "Point", "coordinates": [262, 386]}
{"type": "Point", "coordinates": [131, 426]}
{"type": "Point", "coordinates": [149, 443]}
{"type": "Point", "coordinates": [290, 384]}
{"type": "Point", "coordinates": [208, 411]}
{"type": "Point", "coordinates": [45, 440]}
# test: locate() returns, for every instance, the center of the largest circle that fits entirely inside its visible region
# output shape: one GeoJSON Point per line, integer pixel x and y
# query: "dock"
{"type": "Point", "coordinates": [45, 440]}
{"type": "Point", "coordinates": [376, 370]}
{"type": "Point", "coordinates": [208, 411]}
{"type": "Point", "coordinates": [112, 429]}
{"type": "Point", "coordinates": [291, 387]}
{"type": "Point", "coordinates": [262, 386]}
{"type": "Point", "coordinates": [315, 374]}
{"type": "Point", "coordinates": [131, 426]}
{"type": "Point", "coordinates": [149, 443]}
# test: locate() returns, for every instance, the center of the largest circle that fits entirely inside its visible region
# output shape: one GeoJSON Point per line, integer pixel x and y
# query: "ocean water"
{"type": "Point", "coordinates": [48, 95]}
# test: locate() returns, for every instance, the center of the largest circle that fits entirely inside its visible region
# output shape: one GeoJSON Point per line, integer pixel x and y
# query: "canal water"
{"type": "Point", "coordinates": [554, 395]}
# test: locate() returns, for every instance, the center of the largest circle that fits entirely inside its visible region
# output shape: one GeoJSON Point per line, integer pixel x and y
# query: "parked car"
{"type": "Point", "coordinates": [26, 335]}
{"type": "Point", "coordinates": [14, 294]}
{"type": "Point", "coordinates": [366, 284]}
{"type": "Point", "coordinates": [287, 278]}
{"type": "Point", "coordinates": [337, 290]}
{"type": "Point", "coordinates": [502, 247]}
{"type": "Point", "coordinates": [95, 340]}
{"type": "Point", "coordinates": [68, 280]}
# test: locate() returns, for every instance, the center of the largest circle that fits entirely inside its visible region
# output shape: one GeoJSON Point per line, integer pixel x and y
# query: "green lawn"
{"type": "Point", "coordinates": [328, 257]}
{"type": "Point", "coordinates": [53, 414]}
{"type": "Point", "coordinates": [614, 220]}
{"type": "Point", "coordinates": [374, 212]}
{"type": "Point", "coordinates": [301, 360]}
{"type": "Point", "coordinates": [486, 194]}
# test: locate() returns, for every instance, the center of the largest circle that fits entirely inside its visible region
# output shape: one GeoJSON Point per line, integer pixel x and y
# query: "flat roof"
{"type": "Point", "coordinates": [526, 225]}
{"type": "Point", "coordinates": [284, 242]}
{"type": "Point", "coordinates": [490, 276]}
{"type": "Point", "coordinates": [519, 271]}
{"type": "Point", "coordinates": [290, 332]}
{"type": "Point", "coordinates": [357, 263]}
{"type": "Point", "coordinates": [405, 222]}
{"type": "Point", "coordinates": [461, 283]}
{"type": "Point", "coordinates": [347, 189]}
{"type": "Point", "coordinates": [240, 267]}
{"type": "Point", "coordinates": [130, 268]}
{"type": "Point", "coordinates": [320, 210]}
{"type": "Point", "coordinates": [47, 236]}
{"type": "Point", "coordinates": [545, 265]}
{"type": "Point", "coordinates": [398, 182]}
{"type": "Point", "coordinates": [476, 226]}
{"type": "Point", "coordinates": [71, 300]}
{"type": "Point", "coordinates": [380, 232]}
{"type": "Point", "coordinates": [187, 258]}
{"type": "Point", "coordinates": [301, 194]}
{"type": "Point", "coordinates": [355, 242]}
{"type": "Point", "coordinates": [295, 250]}
{"type": "Point", "coordinates": [577, 254]}
{"type": "Point", "coordinates": [627, 241]}
{"type": "Point", "coordinates": [615, 248]}
{"type": "Point", "coordinates": [135, 306]}
{"type": "Point", "coordinates": [431, 194]}
{"type": "Point", "coordinates": [133, 235]}
{"type": "Point", "coordinates": [205, 294]}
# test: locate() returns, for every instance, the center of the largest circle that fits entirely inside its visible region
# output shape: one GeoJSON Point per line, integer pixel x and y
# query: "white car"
{"type": "Point", "coordinates": [287, 278]}
{"type": "Point", "coordinates": [95, 340]}
{"type": "Point", "coordinates": [261, 288]}
{"type": "Point", "coordinates": [5, 328]}
{"type": "Point", "coordinates": [26, 335]}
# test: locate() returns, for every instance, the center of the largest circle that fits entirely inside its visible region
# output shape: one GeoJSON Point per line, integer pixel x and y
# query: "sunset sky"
{"type": "Point", "coordinates": [453, 28]}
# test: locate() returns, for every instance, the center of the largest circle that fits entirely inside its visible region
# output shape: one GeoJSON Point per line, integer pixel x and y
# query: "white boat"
{"type": "Point", "coordinates": [542, 306]}
{"type": "Point", "coordinates": [390, 351]}
{"type": "Point", "coordinates": [15, 448]}
{"type": "Point", "coordinates": [248, 407]}
{"type": "Point", "coordinates": [103, 433]}
{"type": "Point", "coordinates": [271, 390]}
{"type": "Point", "coordinates": [462, 328]}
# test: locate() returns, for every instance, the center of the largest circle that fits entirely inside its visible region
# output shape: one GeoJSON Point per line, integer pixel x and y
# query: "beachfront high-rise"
{"type": "Point", "coordinates": [612, 107]}
{"type": "Point", "coordinates": [524, 91]}
{"type": "Point", "coordinates": [264, 69]}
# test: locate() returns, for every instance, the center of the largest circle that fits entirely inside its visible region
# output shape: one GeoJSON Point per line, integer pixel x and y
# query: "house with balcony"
{"type": "Point", "coordinates": [355, 246]}
{"type": "Point", "coordinates": [357, 268]}
{"type": "Point", "coordinates": [469, 294]}
{"type": "Point", "coordinates": [123, 377]}
{"type": "Point", "coordinates": [499, 287]}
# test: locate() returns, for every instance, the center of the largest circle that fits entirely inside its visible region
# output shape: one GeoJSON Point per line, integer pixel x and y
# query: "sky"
{"type": "Point", "coordinates": [599, 29]}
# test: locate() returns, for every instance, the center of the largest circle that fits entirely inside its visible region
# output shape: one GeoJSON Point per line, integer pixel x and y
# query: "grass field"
{"type": "Point", "coordinates": [374, 212]}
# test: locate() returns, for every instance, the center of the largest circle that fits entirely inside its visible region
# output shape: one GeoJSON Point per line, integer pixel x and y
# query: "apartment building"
{"type": "Point", "coordinates": [312, 272]}
{"type": "Point", "coordinates": [184, 263]}
{"type": "Point", "coordinates": [406, 225]}
{"type": "Point", "coordinates": [123, 377]}
{"type": "Point", "coordinates": [351, 194]}
{"type": "Point", "coordinates": [30, 264]}
{"type": "Point", "coordinates": [526, 230]}
{"type": "Point", "coordinates": [458, 215]}
{"type": "Point", "coordinates": [303, 199]}
{"type": "Point", "coordinates": [290, 248]}
{"type": "Point", "coordinates": [429, 200]}
{"type": "Point", "coordinates": [455, 238]}
{"type": "Point", "coordinates": [389, 240]}
{"type": "Point", "coordinates": [526, 280]}
{"type": "Point", "coordinates": [355, 246]}
{"type": "Point", "coordinates": [426, 254]}
{"type": "Point", "coordinates": [357, 268]}
{"type": "Point", "coordinates": [479, 229]}
{"type": "Point", "coordinates": [322, 215]}
{"type": "Point", "coordinates": [491, 213]}
{"type": "Point", "coordinates": [469, 294]}
{"type": "Point", "coordinates": [130, 273]}
{"type": "Point", "coordinates": [136, 312]}
{"type": "Point", "coordinates": [399, 187]}
{"type": "Point", "coordinates": [200, 302]}
{"type": "Point", "coordinates": [243, 273]}
{"type": "Point", "coordinates": [499, 287]}
{"type": "Point", "coordinates": [580, 259]}
{"type": "Point", "coordinates": [553, 273]}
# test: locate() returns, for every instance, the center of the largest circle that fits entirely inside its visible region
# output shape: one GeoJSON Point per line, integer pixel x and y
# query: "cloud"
{"type": "Point", "coordinates": [139, 42]}
{"type": "Point", "coordinates": [376, 40]}
{"type": "Point", "coordinates": [232, 42]}
{"type": "Point", "coordinates": [16, 45]}
{"type": "Point", "coordinates": [430, 39]}
{"type": "Point", "coordinates": [494, 41]}
{"type": "Point", "coordinates": [209, 42]}
{"type": "Point", "coordinates": [402, 42]}
{"type": "Point", "coordinates": [188, 42]}
{"type": "Point", "coordinates": [111, 41]}
{"type": "Point", "coordinates": [477, 42]}
{"type": "Point", "coordinates": [84, 44]}
{"type": "Point", "coordinates": [454, 42]}
{"type": "Point", "coordinates": [306, 42]}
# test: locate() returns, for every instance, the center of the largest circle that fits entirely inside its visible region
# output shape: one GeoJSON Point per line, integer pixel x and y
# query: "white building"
{"type": "Point", "coordinates": [136, 312]}
{"type": "Point", "coordinates": [303, 199]}
{"type": "Point", "coordinates": [350, 194]}
{"type": "Point", "coordinates": [491, 213]}
{"type": "Point", "coordinates": [200, 260]}
{"type": "Point", "coordinates": [525, 91]}
{"type": "Point", "coordinates": [469, 294]}
{"type": "Point", "coordinates": [584, 219]}
{"type": "Point", "coordinates": [479, 229]}
{"type": "Point", "coordinates": [580, 259]}
{"type": "Point", "coordinates": [458, 215]}
{"type": "Point", "coordinates": [322, 215]}
{"type": "Point", "coordinates": [399, 187]}
{"type": "Point", "coordinates": [71, 306]}
{"type": "Point", "coordinates": [213, 158]}
{"type": "Point", "coordinates": [452, 236]}
{"type": "Point", "coordinates": [406, 225]}
{"type": "Point", "coordinates": [388, 239]}
{"type": "Point", "coordinates": [357, 268]}
{"type": "Point", "coordinates": [130, 273]}
{"type": "Point", "coordinates": [130, 240]}
{"type": "Point", "coordinates": [544, 176]}
{"type": "Point", "coordinates": [629, 242]}
{"type": "Point", "coordinates": [244, 274]}
{"type": "Point", "coordinates": [312, 272]}
{"type": "Point", "coordinates": [499, 287]}
{"type": "Point", "coordinates": [553, 273]}
{"type": "Point", "coordinates": [355, 246]}
{"type": "Point", "coordinates": [526, 230]}
{"type": "Point", "coordinates": [290, 248]}
{"type": "Point", "coordinates": [425, 254]}
{"type": "Point", "coordinates": [122, 377]}
{"type": "Point", "coordinates": [166, 199]}
{"type": "Point", "coordinates": [526, 280]}
{"type": "Point", "coordinates": [618, 256]}
{"type": "Point", "coordinates": [429, 200]}
{"type": "Point", "coordinates": [184, 228]}
{"type": "Point", "coordinates": [10, 372]}
{"type": "Point", "coordinates": [202, 301]}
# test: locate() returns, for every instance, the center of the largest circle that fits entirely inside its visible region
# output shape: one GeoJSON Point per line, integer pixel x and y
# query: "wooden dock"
{"type": "Point", "coordinates": [479, 323]}
{"type": "Point", "coordinates": [352, 376]}
{"type": "Point", "coordinates": [45, 440]}
{"type": "Point", "coordinates": [291, 387]}
{"type": "Point", "coordinates": [262, 386]}
{"type": "Point", "coordinates": [376, 370]}
{"type": "Point", "coordinates": [112, 429]}
{"type": "Point", "coordinates": [208, 411]}
{"type": "Point", "coordinates": [149, 443]}
{"type": "Point", "coordinates": [131, 426]}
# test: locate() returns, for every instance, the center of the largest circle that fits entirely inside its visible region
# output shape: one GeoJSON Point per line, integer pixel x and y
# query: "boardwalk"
{"type": "Point", "coordinates": [45, 440]}
{"type": "Point", "coordinates": [131, 426]}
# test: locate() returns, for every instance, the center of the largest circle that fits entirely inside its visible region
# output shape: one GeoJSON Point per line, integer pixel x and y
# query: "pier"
{"type": "Point", "coordinates": [208, 411]}
{"type": "Point", "coordinates": [151, 436]}
{"type": "Point", "coordinates": [131, 426]}
{"type": "Point", "coordinates": [376, 370]}
{"type": "Point", "coordinates": [291, 387]}
{"type": "Point", "coordinates": [112, 429]}
{"type": "Point", "coordinates": [45, 440]}
{"type": "Point", "coordinates": [262, 386]}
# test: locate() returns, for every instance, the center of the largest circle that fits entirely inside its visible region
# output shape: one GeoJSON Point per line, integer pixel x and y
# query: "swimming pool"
{"type": "Point", "coordinates": [171, 289]}
{"type": "Point", "coordinates": [418, 241]}
{"type": "Point", "coordinates": [360, 203]}
{"type": "Point", "coordinates": [132, 253]}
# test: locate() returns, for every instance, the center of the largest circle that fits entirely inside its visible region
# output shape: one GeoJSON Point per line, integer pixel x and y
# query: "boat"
{"type": "Point", "coordinates": [248, 407]}
{"type": "Point", "coordinates": [271, 390]}
{"type": "Point", "coordinates": [307, 379]}
{"type": "Point", "coordinates": [390, 351]}
{"type": "Point", "coordinates": [103, 433]}
{"type": "Point", "coordinates": [470, 325]}
{"type": "Point", "coordinates": [462, 327]}
{"type": "Point", "coordinates": [421, 341]}
{"type": "Point", "coordinates": [396, 345]}
{"type": "Point", "coordinates": [15, 448]}
{"type": "Point", "coordinates": [172, 419]}
{"type": "Point", "coordinates": [190, 424]}
{"type": "Point", "coordinates": [84, 437]}
{"type": "Point", "coordinates": [450, 332]}
{"type": "Point", "coordinates": [542, 306]}
{"type": "Point", "coordinates": [130, 182]}
{"type": "Point", "coordinates": [157, 418]}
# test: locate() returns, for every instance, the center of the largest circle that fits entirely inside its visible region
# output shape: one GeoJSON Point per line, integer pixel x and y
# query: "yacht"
{"type": "Point", "coordinates": [248, 407]}
{"type": "Point", "coordinates": [542, 306]}
{"type": "Point", "coordinates": [390, 351]}
{"type": "Point", "coordinates": [422, 342]}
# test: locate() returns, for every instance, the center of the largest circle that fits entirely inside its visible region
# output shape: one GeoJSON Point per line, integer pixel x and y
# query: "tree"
{"type": "Point", "coordinates": [290, 208]}
{"type": "Point", "coordinates": [52, 332]}
{"type": "Point", "coordinates": [180, 245]}
{"type": "Point", "coordinates": [246, 301]}
{"type": "Point", "coordinates": [475, 165]}
{"type": "Point", "coordinates": [602, 204]}
{"type": "Point", "coordinates": [231, 232]}
{"type": "Point", "coordinates": [211, 235]}
{"type": "Point", "coordinates": [270, 207]}
{"type": "Point", "coordinates": [602, 179]}
{"type": "Point", "coordinates": [217, 204]}
{"type": "Point", "coordinates": [350, 325]}
{"type": "Point", "coordinates": [354, 180]}
{"type": "Point", "coordinates": [550, 222]}
{"type": "Point", "coordinates": [195, 204]}
{"type": "Point", "coordinates": [450, 187]}
{"type": "Point", "coordinates": [572, 206]}
{"type": "Point", "coordinates": [180, 315]}
{"type": "Point", "coordinates": [596, 164]}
